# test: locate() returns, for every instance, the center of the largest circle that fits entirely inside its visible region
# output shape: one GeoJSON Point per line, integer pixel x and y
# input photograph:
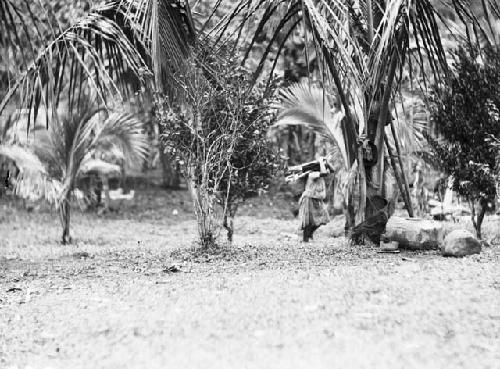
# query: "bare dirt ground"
{"type": "Point", "coordinates": [269, 301]}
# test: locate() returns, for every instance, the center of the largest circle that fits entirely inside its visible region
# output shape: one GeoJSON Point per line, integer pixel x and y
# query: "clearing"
{"type": "Point", "coordinates": [114, 299]}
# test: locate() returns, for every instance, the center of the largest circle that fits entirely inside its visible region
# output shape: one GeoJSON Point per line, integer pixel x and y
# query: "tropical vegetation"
{"type": "Point", "coordinates": [466, 110]}
{"type": "Point", "coordinates": [367, 52]}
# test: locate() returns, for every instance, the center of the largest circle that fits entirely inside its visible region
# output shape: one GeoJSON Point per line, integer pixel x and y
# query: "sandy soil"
{"type": "Point", "coordinates": [111, 300]}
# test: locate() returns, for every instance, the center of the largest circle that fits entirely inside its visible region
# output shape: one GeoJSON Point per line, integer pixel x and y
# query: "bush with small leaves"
{"type": "Point", "coordinates": [466, 111]}
{"type": "Point", "coordinates": [220, 141]}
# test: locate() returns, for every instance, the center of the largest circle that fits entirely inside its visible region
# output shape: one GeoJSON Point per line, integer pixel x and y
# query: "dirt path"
{"type": "Point", "coordinates": [269, 302]}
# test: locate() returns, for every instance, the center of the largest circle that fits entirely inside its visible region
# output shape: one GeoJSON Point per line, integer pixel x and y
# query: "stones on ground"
{"type": "Point", "coordinates": [460, 243]}
{"type": "Point", "coordinates": [172, 269]}
{"type": "Point", "coordinates": [415, 233]}
{"type": "Point", "coordinates": [81, 255]}
{"type": "Point", "coordinates": [389, 246]}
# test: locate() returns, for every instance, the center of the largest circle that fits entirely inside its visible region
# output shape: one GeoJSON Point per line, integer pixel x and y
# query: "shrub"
{"type": "Point", "coordinates": [218, 138]}
{"type": "Point", "coordinates": [466, 111]}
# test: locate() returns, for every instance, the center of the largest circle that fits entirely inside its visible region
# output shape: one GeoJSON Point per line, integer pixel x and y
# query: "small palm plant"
{"type": "Point", "coordinates": [75, 138]}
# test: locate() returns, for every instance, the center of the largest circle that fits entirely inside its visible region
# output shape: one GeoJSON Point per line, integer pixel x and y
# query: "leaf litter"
{"type": "Point", "coordinates": [134, 292]}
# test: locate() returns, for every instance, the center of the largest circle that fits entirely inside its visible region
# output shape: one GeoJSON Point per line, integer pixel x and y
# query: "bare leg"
{"type": "Point", "coordinates": [313, 229]}
{"type": "Point", "coordinates": [306, 234]}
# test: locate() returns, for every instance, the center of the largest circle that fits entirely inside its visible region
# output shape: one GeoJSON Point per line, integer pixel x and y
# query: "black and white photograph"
{"type": "Point", "coordinates": [250, 184]}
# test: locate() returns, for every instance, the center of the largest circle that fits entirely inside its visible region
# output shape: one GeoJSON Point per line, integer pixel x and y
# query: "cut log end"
{"type": "Point", "coordinates": [415, 233]}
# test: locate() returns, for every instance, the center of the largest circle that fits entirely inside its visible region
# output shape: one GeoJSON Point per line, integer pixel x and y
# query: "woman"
{"type": "Point", "coordinates": [312, 210]}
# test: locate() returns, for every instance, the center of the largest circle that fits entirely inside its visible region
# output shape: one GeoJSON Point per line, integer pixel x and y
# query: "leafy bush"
{"type": "Point", "coordinates": [220, 141]}
{"type": "Point", "coordinates": [466, 110]}
{"type": "Point", "coordinates": [253, 163]}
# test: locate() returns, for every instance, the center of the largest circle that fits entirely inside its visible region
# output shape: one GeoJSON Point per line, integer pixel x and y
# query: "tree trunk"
{"type": "Point", "coordinates": [363, 190]}
{"type": "Point", "coordinates": [384, 113]}
{"type": "Point", "coordinates": [477, 222]}
{"type": "Point", "coordinates": [399, 181]}
{"type": "Point", "coordinates": [420, 193]}
{"type": "Point", "coordinates": [64, 214]}
{"type": "Point", "coordinates": [171, 178]}
{"type": "Point", "coordinates": [409, 206]}
{"type": "Point", "coordinates": [204, 210]}
{"type": "Point", "coordinates": [229, 221]}
{"type": "Point", "coordinates": [350, 216]}
{"type": "Point", "coordinates": [105, 190]}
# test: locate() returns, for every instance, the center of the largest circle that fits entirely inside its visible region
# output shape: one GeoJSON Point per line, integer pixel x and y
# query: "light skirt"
{"type": "Point", "coordinates": [312, 212]}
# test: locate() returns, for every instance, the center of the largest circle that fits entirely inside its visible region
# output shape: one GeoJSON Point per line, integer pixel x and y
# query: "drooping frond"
{"type": "Point", "coordinates": [94, 54]}
{"type": "Point", "coordinates": [32, 181]}
{"type": "Point", "coordinates": [410, 123]}
{"type": "Point", "coordinates": [480, 20]}
{"type": "Point", "coordinates": [35, 186]}
{"type": "Point", "coordinates": [166, 31]}
{"type": "Point", "coordinates": [19, 33]}
{"type": "Point", "coordinates": [308, 106]}
{"type": "Point", "coordinates": [98, 165]}
{"type": "Point", "coordinates": [24, 159]}
{"type": "Point", "coordinates": [125, 132]}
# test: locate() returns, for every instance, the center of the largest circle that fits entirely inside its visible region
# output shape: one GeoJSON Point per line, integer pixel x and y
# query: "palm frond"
{"type": "Point", "coordinates": [25, 159]}
{"type": "Point", "coordinates": [124, 131]}
{"type": "Point", "coordinates": [308, 106]}
{"type": "Point", "coordinates": [166, 32]}
{"type": "Point", "coordinates": [32, 181]}
{"type": "Point", "coordinates": [482, 22]}
{"type": "Point", "coordinates": [410, 124]}
{"type": "Point", "coordinates": [94, 54]}
{"type": "Point", "coordinates": [35, 186]}
{"type": "Point", "coordinates": [98, 165]}
{"type": "Point", "coordinates": [19, 32]}
{"type": "Point", "coordinates": [329, 22]}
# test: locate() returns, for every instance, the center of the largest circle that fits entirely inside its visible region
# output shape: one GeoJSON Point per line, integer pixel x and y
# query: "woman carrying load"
{"type": "Point", "coordinates": [312, 209]}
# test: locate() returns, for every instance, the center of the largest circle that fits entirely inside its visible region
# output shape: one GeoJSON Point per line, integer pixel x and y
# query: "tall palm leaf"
{"type": "Point", "coordinates": [111, 51]}
{"type": "Point", "coordinates": [480, 22]}
{"type": "Point", "coordinates": [308, 106]}
{"type": "Point", "coordinates": [166, 31]}
{"type": "Point", "coordinates": [19, 33]}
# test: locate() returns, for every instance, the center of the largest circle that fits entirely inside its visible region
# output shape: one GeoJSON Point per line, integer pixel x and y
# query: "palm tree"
{"type": "Point", "coordinates": [363, 47]}
{"type": "Point", "coordinates": [114, 50]}
{"type": "Point", "coordinates": [74, 139]}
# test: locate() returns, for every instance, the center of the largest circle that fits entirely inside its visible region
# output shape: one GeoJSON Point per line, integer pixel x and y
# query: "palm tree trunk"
{"type": "Point", "coordinates": [400, 180]}
{"type": "Point", "coordinates": [409, 205]}
{"type": "Point", "coordinates": [105, 190]}
{"type": "Point", "coordinates": [170, 174]}
{"type": "Point", "coordinates": [360, 215]}
{"type": "Point", "coordinates": [361, 172]}
{"type": "Point", "coordinates": [384, 111]}
{"type": "Point", "coordinates": [64, 213]}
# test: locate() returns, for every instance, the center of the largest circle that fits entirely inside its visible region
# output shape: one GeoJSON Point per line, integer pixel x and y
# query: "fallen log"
{"type": "Point", "coordinates": [414, 233]}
